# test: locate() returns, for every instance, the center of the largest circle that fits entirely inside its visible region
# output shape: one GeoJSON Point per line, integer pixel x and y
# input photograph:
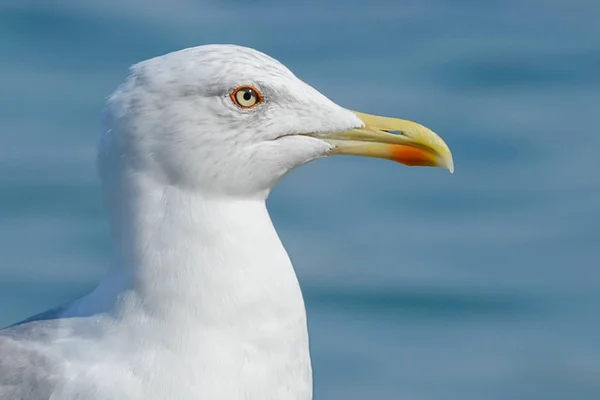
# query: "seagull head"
{"type": "Point", "coordinates": [231, 121]}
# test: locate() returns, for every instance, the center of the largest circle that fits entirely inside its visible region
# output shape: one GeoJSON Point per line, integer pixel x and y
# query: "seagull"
{"type": "Point", "coordinates": [202, 301]}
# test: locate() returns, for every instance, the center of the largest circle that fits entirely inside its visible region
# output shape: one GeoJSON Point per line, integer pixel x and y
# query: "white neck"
{"type": "Point", "coordinates": [210, 280]}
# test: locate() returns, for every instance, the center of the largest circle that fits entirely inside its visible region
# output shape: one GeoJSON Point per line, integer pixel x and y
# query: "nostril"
{"type": "Point", "coordinates": [394, 132]}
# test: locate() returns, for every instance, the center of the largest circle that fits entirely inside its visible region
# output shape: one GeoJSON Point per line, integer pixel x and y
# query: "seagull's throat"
{"type": "Point", "coordinates": [194, 262]}
{"type": "Point", "coordinates": [207, 281]}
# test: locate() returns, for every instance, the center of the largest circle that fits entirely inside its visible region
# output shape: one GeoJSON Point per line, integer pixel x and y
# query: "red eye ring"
{"type": "Point", "coordinates": [246, 96]}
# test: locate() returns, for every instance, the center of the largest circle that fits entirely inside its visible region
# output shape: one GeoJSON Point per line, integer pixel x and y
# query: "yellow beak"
{"type": "Point", "coordinates": [394, 139]}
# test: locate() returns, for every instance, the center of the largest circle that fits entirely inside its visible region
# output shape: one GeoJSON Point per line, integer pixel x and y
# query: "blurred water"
{"type": "Point", "coordinates": [420, 285]}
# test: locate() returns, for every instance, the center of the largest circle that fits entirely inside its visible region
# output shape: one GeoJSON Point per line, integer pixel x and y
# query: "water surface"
{"type": "Point", "coordinates": [419, 284]}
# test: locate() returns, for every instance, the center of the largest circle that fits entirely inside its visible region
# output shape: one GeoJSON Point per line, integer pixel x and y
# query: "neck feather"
{"type": "Point", "coordinates": [182, 256]}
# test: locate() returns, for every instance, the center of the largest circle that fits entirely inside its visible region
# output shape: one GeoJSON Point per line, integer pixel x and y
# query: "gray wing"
{"type": "Point", "coordinates": [27, 370]}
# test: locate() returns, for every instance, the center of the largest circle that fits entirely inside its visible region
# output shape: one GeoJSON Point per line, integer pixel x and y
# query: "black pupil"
{"type": "Point", "coordinates": [247, 94]}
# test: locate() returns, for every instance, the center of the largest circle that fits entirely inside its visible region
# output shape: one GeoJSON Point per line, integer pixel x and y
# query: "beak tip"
{"type": "Point", "coordinates": [446, 160]}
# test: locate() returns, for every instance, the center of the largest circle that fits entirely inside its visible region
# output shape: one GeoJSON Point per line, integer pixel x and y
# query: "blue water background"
{"type": "Point", "coordinates": [419, 284]}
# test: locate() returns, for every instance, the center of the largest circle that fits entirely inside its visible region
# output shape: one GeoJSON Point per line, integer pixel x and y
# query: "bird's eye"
{"type": "Point", "coordinates": [246, 97]}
